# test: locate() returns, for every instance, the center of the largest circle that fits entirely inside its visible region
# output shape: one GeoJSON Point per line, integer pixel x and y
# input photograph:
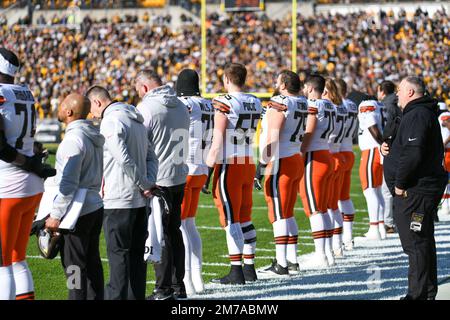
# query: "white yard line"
{"type": "Point", "coordinates": [373, 270]}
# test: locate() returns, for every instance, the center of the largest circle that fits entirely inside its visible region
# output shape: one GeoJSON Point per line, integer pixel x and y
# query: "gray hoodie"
{"type": "Point", "coordinates": [79, 164]}
{"type": "Point", "coordinates": [167, 121]}
{"type": "Point", "coordinates": [130, 164]}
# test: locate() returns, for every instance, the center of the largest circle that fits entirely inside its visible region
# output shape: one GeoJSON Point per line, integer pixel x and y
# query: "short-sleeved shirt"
{"type": "Point", "coordinates": [370, 113]}
{"type": "Point", "coordinates": [19, 118]}
{"type": "Point", "coordinates": [351, 125]}
{"type": "Point", "coordinates": [295, 112]}
{"type": "Point", "coordinates": [325, 111]}
{"type": "Point", "coordinates": [243, 112]}
{"type": "Point", "coordinates": [201, 114]}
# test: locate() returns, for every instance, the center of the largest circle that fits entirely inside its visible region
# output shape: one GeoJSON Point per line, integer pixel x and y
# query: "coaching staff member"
{"type": "Point", "coordinates": [415, 176]}
{"type": "Point", "coordinates": [79, 164]}
{"type": "Point", "coordinates": [167, 121]}
{"type": "Point", "coordinates": [129, 175]}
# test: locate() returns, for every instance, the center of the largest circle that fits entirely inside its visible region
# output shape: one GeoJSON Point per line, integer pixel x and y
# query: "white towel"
{"type": "Point", "coordinates": [69, 220]}
{"type": "Point", "coordinates": [155, 240]}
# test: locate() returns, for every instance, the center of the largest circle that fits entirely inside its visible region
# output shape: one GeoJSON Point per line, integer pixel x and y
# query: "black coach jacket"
{"type": "Point", "coordinates": [415, 160]}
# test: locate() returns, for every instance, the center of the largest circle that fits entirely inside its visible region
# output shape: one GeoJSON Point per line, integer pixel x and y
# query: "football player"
{"type": "Point", "coordinates": [235, 121]}
{"type": "Point", "coordinates": [331, 93]}
{"type": "Point", "coordinates": [283, 126]}
{"type": "Point", "coordinates": [318, 166]}
{"type": "Point", "coordinates": [200, 134]}
{"type": "Point", "coordinates": [371, 122]}
{"type": "Point", "coordinates": [20, 190]}
{"type": "Point", "coordinates": [346, 150]}
{"type": "Point", "coordinates": [444, 120]}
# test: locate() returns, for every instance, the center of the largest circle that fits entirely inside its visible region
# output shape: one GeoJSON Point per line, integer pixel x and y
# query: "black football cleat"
{"type": "Point", "coordinates": [293, 267]}
{"type": "Point", "coordinates": [277, 269]}
{"type": "Point", "coordinates": [249, 273]}
{"type": "Point", "coordinates": [161, 295]}
{"type": "Point", "coordinates": [236, 276]}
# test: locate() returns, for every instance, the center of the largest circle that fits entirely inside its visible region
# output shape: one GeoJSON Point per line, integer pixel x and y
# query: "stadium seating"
{"type": "Point", "coordinates": [57, 60]}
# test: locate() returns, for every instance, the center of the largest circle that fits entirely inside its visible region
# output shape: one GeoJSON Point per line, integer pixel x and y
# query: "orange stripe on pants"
{"type": "Point", "coordinates": [280, 187]}
{"type": "Point", "coordinates": [313, 187]}
{"type": "Point", "coordinates": [233, 191]}
{"type": "Point", "coordinates": [336, 179]}
{"type": "Point", "coordinates": [347, 175]}
{"type": "Point", "coordinates": [16, 218]}
{"type": "Point", "coordinates": [447, 160]}
{"type": "Point", "coordinates": [370, 169]}
{"type": "Point", "coordinates": [194, 185]}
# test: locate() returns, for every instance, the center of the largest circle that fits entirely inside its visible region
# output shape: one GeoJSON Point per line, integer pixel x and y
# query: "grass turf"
{"type": "Point", "coordinates": [50, 282]}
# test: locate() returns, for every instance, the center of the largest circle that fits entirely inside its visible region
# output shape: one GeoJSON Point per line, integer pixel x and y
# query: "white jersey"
{"type": "Point", "coordinates": [19, 118]}
{"type": "Point", "coordinates": [201, 115]}
{"type": "Point", "coordinates": [243, 112]}
{"type": "Point", "coordinates": [337, 135]}
{"type": "Point", "coordinates": [371, 112]}
{"type": "Point", "coordinates": [444, 131]}
{"type": "Point", "coordinates": [295, 111]}
{"type": "Point", "coordinates": [325, 112]}
{"type": "Point", "coordinates": [351, 124]}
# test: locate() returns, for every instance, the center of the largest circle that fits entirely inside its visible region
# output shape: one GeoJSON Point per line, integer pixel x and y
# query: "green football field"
{"type": "Point", "coordinates": [50, 283]}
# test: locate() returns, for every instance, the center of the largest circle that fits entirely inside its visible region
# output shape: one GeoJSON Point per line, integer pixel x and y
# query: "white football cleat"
{"type": "Point", "coordinates": [443, 210]}
{"type": "Point", "coordinates": [373, 233]}
{"type": "Point", "coordinates": [348, 246]}
{"type": "Point", "coordinates": [317, 261]}
{"type": "Point", "coordinates": [330, 258]}
{"type": "Point", "coordinates": [197, 281]}
{"type": "Point", "coordinates": [188, 285]}
{"type": "Point", "coordinates": [382, 230]}
{"type": "Point", "coordinates": [338, 253]}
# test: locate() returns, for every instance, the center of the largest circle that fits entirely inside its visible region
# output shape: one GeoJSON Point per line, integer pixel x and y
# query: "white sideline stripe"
{"type": "Point", "coordinates": [351, 278]}
{"type": "Point", "coordinates": [210, 206]}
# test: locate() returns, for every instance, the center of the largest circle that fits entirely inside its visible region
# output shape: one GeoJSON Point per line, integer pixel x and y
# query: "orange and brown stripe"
{"type": "Point", "coordinates": [277, 106]}
{"type": "Point", "coordinates": [367, 109]}
{"type": "Point", "coordinates": [220, 106]}
{"type": "Point", "coordinates": [249, 256]}
{"type": "Point", "coordinates": [338, 230]}
{"type": "Point", "coordinates": [235, 257]}
{"type": "Point", "coordinates": [312, 110]}
{"type": "Point", "coordinates": [293, 240]}
{"type": "Point", "coordinates": [319, 234]}
{"type": "Point", "coordinates": [349, 217]}
{"type": "Point", "coordinates": [25, 296]}
{"type": "Point", "coordinates": [281, 240]}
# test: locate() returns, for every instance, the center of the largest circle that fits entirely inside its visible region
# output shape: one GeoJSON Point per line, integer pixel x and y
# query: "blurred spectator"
{"type": "Point", "coordinates": [357, 47]}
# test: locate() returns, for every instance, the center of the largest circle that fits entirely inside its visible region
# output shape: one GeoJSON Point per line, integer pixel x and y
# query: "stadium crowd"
{"type": "Point", "coordinates": [356, 47]}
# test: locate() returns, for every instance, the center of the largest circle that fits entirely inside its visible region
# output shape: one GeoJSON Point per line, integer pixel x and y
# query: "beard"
{"type": "Point", "coordinates": [276, 92]}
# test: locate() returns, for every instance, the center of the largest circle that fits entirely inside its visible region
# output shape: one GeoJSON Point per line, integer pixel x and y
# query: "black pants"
{"type": "Point", "coordinates": [80, 258]}
{"type": "Point", "coordinates": [419, 246]}
{"type": "Point", "coordinates": [170, 272]}
{"type": "Point", "coordinates": [125, 234]}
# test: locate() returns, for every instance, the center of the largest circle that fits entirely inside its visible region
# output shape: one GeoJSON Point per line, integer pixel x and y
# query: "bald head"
{"type": "Point", "coordinates": [74, 107]}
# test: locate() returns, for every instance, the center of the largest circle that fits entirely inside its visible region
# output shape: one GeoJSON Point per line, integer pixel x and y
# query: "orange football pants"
{"type": "Point", "coordinates": [16, 218]}
{"type": "Point", "coordinates": [370, 169]}
{"type": "Point", "coordinates": [313, 185]}
{"type": "Point", "coordinates": [346, 175]}
{"type": "Point", "coordinates": [280, 186]}
{"type": "Point", "coordinates": [233, 190]}
{"type": "Point", "coordinates": [194, 185]}
{"type": "Point", "coordinates": [335, 181]}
